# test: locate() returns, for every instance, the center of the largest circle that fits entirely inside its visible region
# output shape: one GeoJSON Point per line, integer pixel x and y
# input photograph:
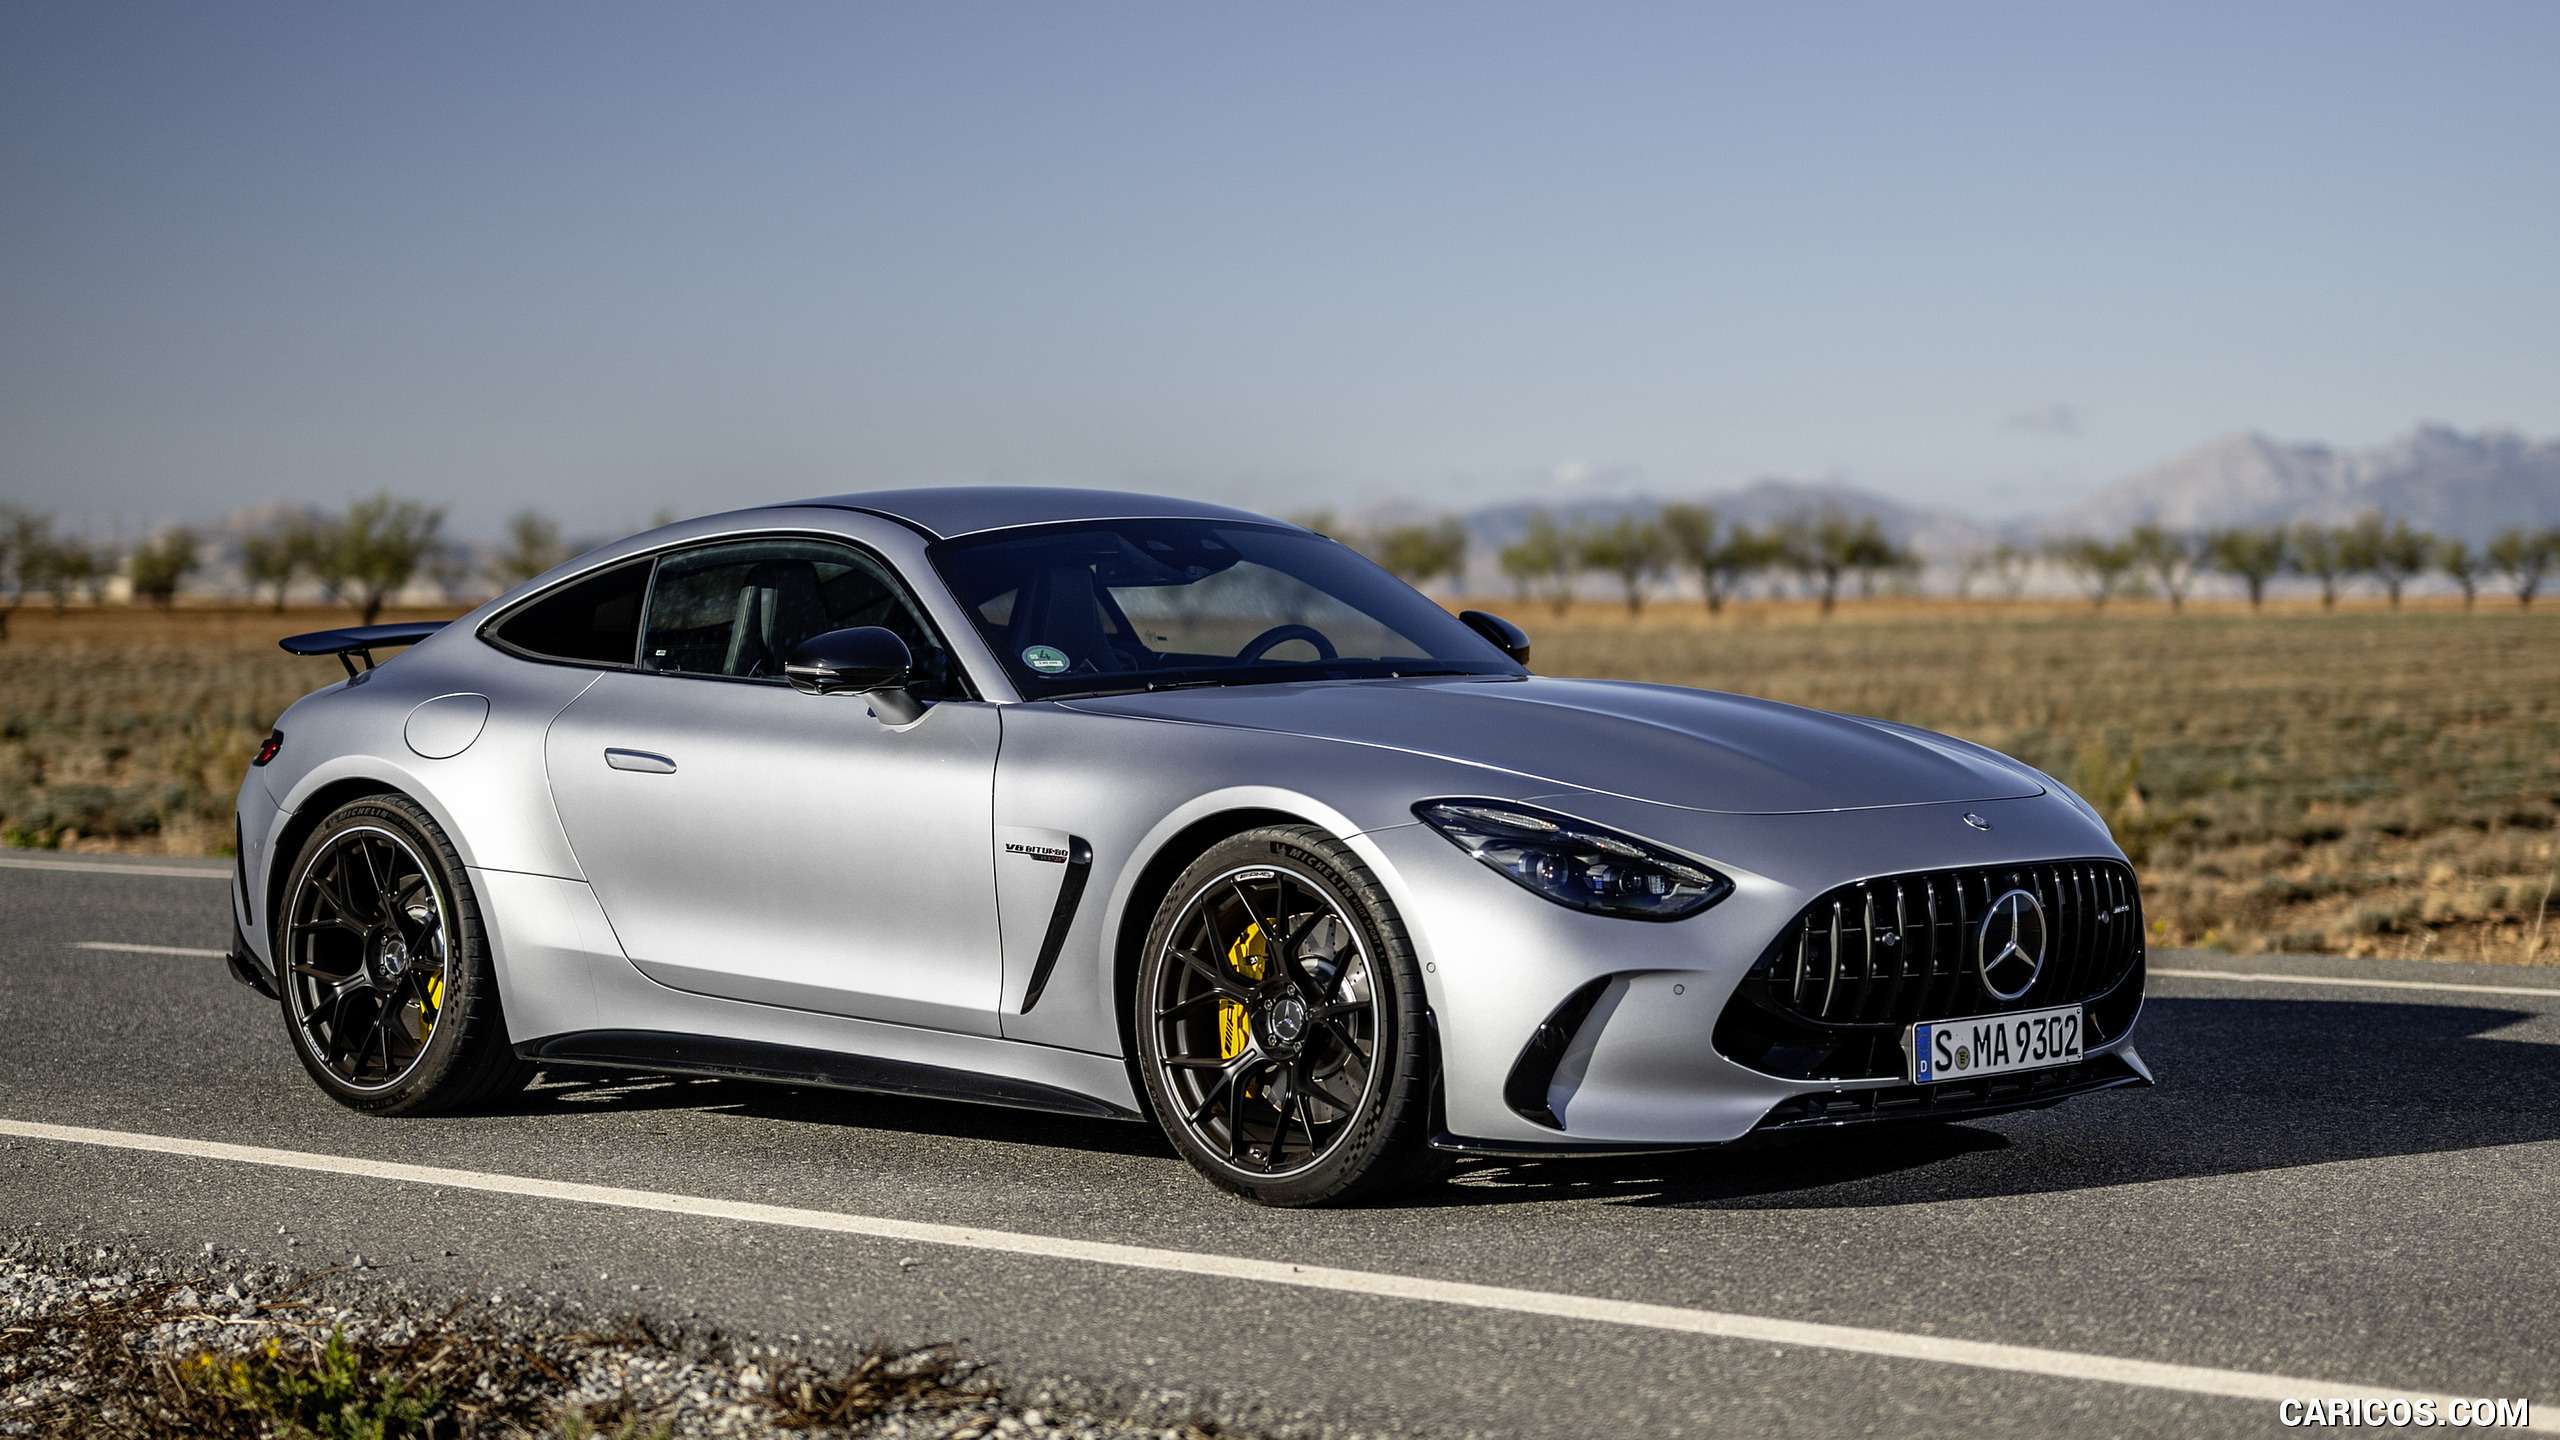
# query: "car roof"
{"type": "Point", "coordinates": [946, 512]}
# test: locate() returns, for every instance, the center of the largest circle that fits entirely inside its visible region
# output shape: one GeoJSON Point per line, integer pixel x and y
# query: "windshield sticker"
{"type": "Point", "coordinates": [1045, 659]}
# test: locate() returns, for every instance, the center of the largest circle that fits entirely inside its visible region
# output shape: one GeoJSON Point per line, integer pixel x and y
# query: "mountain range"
{"type": "Point", "coordinates": [2435, 477]}
{"type": "Point", "coordinates": [2452, 482]}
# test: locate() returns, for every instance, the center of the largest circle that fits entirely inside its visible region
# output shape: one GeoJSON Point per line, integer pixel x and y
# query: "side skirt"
{"type": "Point", "coordinates": [666, 1052]}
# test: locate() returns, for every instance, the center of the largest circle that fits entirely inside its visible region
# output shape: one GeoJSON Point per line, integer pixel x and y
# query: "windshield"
{"type": "Point", "coordinates": [1116, 605]}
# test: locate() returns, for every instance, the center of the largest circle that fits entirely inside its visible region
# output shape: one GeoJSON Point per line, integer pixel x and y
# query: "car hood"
{"type": "Point", "coordinates": [1699, 749]}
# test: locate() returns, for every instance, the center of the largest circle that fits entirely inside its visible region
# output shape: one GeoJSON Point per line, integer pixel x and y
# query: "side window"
{"type": "Point", "coordinates": [595, 621]}
{"type": "Point", "coordinates": [736, 610]}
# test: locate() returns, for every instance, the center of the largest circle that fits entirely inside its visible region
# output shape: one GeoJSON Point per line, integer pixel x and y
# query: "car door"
{"type": "Point", "coordinates": [755, 843]}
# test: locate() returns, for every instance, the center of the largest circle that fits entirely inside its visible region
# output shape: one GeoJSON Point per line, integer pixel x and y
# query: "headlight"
{"type": "Point", "coordinates": [1575, 863]}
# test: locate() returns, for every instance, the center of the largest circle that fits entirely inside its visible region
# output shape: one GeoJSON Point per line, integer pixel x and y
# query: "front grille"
{"type": "Point", "coordinates": [1830, 996]}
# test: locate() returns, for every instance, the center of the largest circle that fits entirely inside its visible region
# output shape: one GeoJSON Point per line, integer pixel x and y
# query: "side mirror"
{"type": "Point", "coordinates": [865, 660]}
{"type": "Point", "coordinates": [1508, 638]}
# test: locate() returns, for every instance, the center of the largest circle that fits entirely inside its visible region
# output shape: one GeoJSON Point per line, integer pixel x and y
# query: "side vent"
{"type": "Point", "coordinates": [1061, 919]}
{"type": "Point", "coordinates": [1526, 1089]}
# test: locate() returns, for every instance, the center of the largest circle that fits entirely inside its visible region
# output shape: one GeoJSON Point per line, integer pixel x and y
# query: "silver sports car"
{"type": "Point", "coordinates": [1121, 806]}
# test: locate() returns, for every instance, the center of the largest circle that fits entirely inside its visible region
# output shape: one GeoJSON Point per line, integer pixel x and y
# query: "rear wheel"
{"type": "Point", "coordinates": [388, 991]}
{"type": "Point", "coordinates": [1281, 1025]}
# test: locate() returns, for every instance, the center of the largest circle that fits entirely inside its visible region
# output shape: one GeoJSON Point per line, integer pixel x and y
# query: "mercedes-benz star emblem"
{"type": "Point", "coordinates": [2011, 946]}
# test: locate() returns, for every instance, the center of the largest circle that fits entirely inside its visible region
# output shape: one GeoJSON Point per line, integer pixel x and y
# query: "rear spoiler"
{"type": "Point", "coordinates": [359, 640]}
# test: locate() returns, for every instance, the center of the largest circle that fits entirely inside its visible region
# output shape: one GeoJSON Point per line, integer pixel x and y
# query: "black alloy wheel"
{"type": "Point", "coordinates": [388, 992]}
{"type": "Point", "coordinates": [1281, 1026]}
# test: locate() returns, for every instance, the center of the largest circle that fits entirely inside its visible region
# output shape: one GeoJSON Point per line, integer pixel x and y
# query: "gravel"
{"type": "Point", "coordinates": [84, 1328]}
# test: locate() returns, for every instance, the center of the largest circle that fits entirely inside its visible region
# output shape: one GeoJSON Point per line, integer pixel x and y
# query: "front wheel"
{"type": "Point", "coordinates": [388, 991]}
{"type": "Point", "coordinates": [1282, 1030]}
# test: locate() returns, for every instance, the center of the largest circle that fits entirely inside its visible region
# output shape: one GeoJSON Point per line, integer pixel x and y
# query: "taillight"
{"type": "Point", "coordinates": [268, 747]}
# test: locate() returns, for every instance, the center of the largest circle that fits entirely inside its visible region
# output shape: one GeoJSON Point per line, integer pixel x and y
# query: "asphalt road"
{"type": "Point", "coordinates": [2353, 1185]}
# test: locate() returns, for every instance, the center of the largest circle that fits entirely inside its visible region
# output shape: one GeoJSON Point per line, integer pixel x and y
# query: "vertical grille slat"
{"type": "Point", "coordinates": [1904, 949]}
{"type": "Point", "coordinates": [2085, 961]}
{"type": "Point", "coordinates": [2059, 936]}
{"type": "Point", "coordinates": [1857, 1007]}
{"type": "Point", "coordinates": [1831, 986]}
{"type": "Point", "coordinates": [1852, 966]}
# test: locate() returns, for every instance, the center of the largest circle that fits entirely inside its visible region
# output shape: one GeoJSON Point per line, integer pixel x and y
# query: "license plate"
{"type": "Point", "coordinates": [1991, 1044]}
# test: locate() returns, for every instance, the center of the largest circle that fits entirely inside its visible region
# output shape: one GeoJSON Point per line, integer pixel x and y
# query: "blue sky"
{"type": "Point", "coordinates": [607, 258]}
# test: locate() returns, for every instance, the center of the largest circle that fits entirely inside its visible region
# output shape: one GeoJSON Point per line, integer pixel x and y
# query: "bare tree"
{"type": "Point", "coordinates": [24, 535]}
{"type": "Point", "coordinates": [2525, 558]}
{"type": "Point", "coordinates": [1418, 553]}
{"type": "Point", "coordinates": [452, 567]}
{"type": "Point", "coordinates": [2005, 563]}
{"type": "Point", "coordinates": [2392, 554]}
{"type": "Point", "coordinates": [1541, 562]}
{"type": "Point", "coordinates": [271, 558]}
{"type": "Point", "coordinates": [533, 546]}
{"type": "Point", "coordinates": [1635, 551]}
{"type": "Point", "coordinates": [2171, 556]}
{"type": "Point", "coordinates": [32, 540]}
{"type": "Point", "coordinates": [378, 548]}
{"type": "Point", "coordinates": [2322, 553]}
{"type": "Point", "coordinates": [2461, 565]}
{"type": "Point", "coordinates": [2254, 556]}
{"type": "Point", "coordinates": [67, 566]}
{"type": "Point", "coordinates": [1720, 558]}
{"type": "Point", "coordinates": [1825, 544]}
{"type": "Point", "coordinates": [2102, 565]}
{"type": "Point", "coordinates": [98, 568]}
{"type": "Point", "coordinates": [162, 564]}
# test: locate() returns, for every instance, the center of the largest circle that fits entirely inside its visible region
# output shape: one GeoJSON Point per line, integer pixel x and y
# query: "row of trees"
{"type": "Point", "coordinates": [1823, 549]}
{"type": "Point", "coordinates": [2390, 553]}
{"type": "Point", "coordinates": [361, 556]}
{"type": "Point", "coordinates": [379, 546]}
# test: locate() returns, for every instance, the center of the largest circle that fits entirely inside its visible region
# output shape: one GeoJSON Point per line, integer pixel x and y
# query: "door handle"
{"type": "Point", "coordinates": [639, 760]}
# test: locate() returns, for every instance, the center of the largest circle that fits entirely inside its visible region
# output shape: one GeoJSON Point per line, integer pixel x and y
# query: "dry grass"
{"type": "Point", "coordinates": [97, 1347]}
{"type": "Point", "coordinates": [153, 1363]}
{"type": "Point", "coordinates": [2360, 782]}
{"type": "Point", "coordinates": [129, 729]}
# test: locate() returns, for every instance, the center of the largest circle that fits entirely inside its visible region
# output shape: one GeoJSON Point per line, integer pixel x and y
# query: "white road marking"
{"type": "Point", "coordinates": [1983, 1355]}
{"type": "Point", "coordinates": [145, 949]}
{"type": "Point", "coordinates": [187, 872]}
{"type": "Point", "coordinates": [2374, 984]}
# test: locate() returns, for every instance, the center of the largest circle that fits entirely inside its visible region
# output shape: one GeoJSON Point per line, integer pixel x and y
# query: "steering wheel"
{"type": "Point", "coordinates": [1282, 634]}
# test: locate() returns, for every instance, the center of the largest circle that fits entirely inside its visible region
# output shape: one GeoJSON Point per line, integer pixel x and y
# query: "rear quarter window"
{"type": "Point", "coordinates": [594, 621]}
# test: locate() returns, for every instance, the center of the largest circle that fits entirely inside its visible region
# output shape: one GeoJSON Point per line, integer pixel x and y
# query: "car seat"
{"type": "Point", "coordinates": [778, 607]}
{"type": "Point", "coordinates": [1061, 609]}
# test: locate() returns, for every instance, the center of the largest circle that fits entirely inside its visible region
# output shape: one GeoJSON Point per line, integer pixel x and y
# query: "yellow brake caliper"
{"type": "Point", "coordinates": [1246, 957]}
{"type": "Point", "coordinates": [435, 1007]}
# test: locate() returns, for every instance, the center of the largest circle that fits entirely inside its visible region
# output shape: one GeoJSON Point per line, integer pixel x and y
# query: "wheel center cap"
{"type": "Point", "coordinates": [393, 958]}
{"type": "Point", "coordinates": [1286, 1022]}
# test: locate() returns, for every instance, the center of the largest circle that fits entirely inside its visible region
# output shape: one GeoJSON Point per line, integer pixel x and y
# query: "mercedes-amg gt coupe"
{"type": "Point", "coordinates": [1121, 806]}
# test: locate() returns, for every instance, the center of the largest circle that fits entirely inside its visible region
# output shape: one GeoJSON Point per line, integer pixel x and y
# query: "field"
{"type": "Point", "coordinates": [2361, 782]}
{"type": "Point", "coordinates": [130, 729]}
{"type": "Point", "coordinates": [2358, 782]}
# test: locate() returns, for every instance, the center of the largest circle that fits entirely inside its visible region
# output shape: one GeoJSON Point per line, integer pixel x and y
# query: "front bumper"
{"type": "Point", "coordinates": [1957, 1099]}
{"type": "Point", "coordinates": [1634, 1064]}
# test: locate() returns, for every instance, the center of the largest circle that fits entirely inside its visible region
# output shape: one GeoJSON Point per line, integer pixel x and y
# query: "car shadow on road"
{"type": "Point", "coordinates": [568, 1090]}
{"type": "Point", "coordinates": [2245, 1085]}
